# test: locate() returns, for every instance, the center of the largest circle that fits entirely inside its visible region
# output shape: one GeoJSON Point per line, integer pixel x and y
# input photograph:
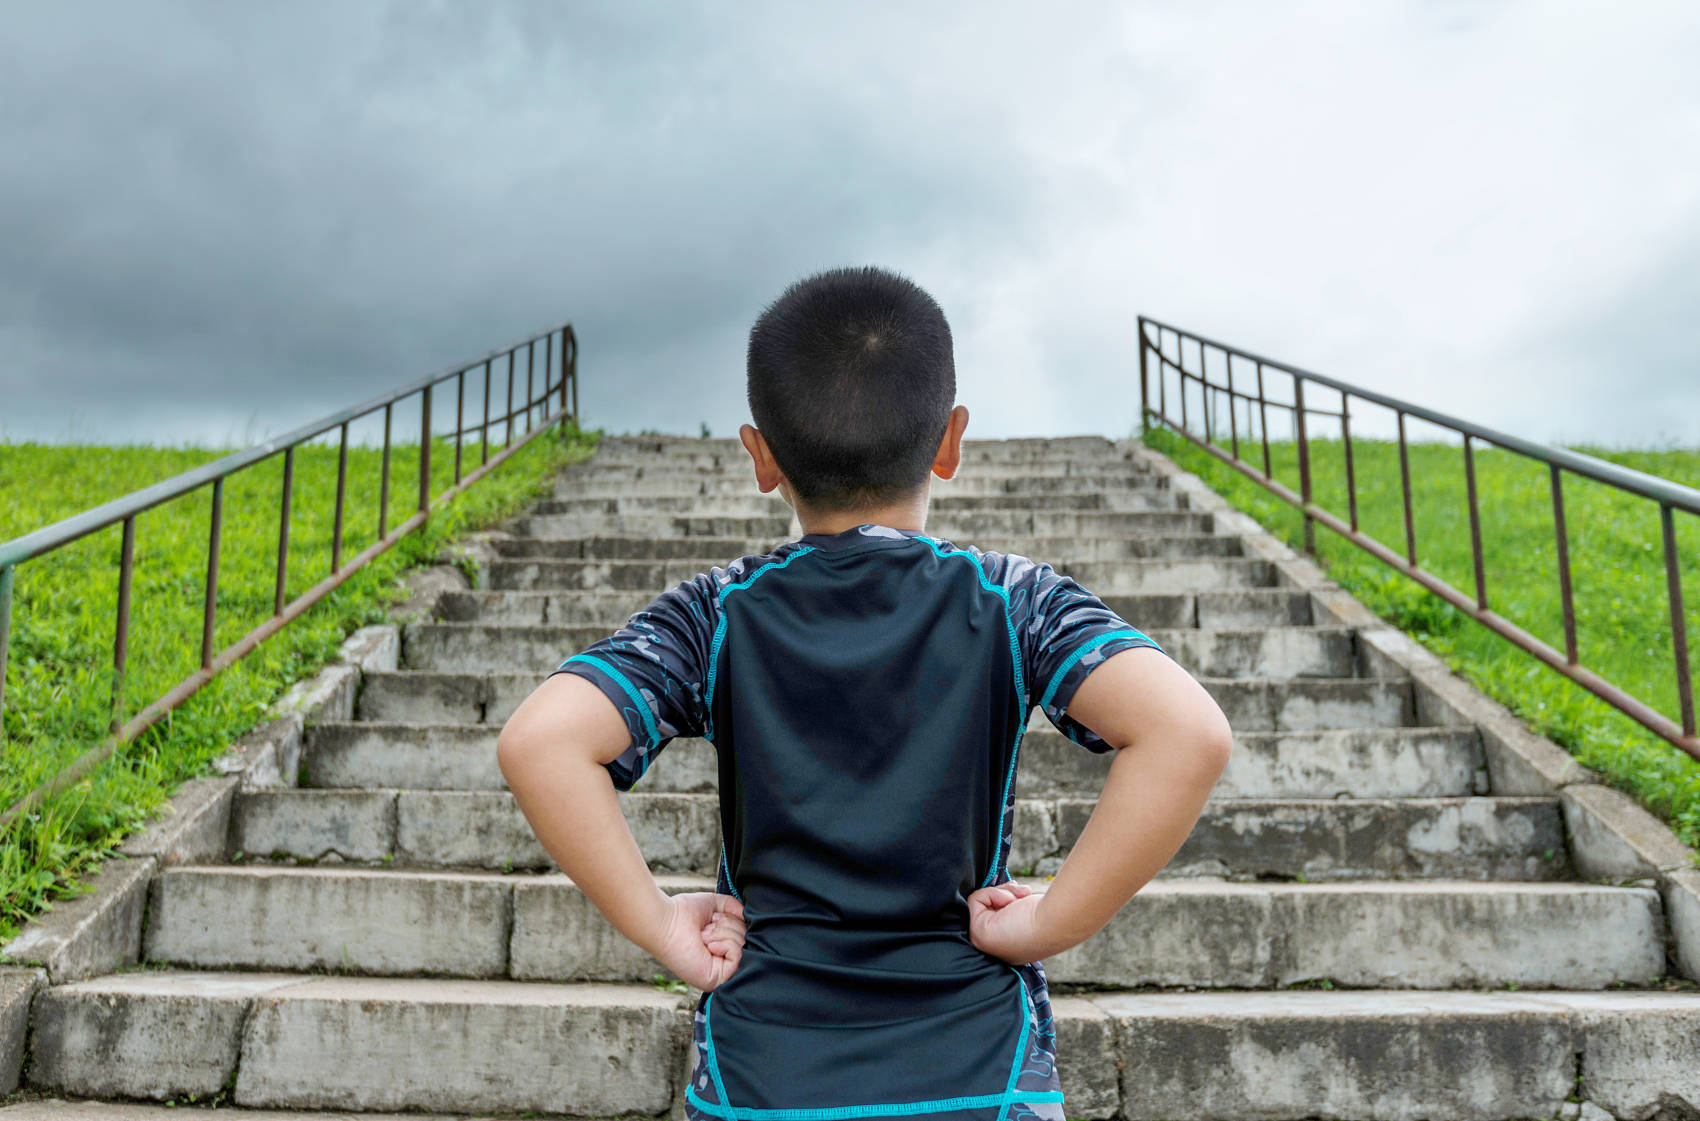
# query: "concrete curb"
{"type": "Point", "coordinates": [101, 931]}
{"type": "Point", "coordinates": [1611, 837]}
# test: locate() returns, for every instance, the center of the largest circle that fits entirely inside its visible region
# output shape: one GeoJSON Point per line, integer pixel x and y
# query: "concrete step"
{"type": "Point", "coordinates": [1474, 838]}
{"type": "Point", "coordinates": [1353, 763]}
{"type": "Point", "coordinates": [294, 1041]}
{"type": "Point", "coordinates": [707, 552]}
{"type": "Point", "coordinates": [1252, 704]}
{"type": "Point", "coordinates": [1183, 574]}
{"type": "Point", "coordinates": [1242, 607]}
{"type": "Point", "coordinates": [1411, 934]}
{"type": "Point", "coordinates": [756, 504]}
{"type": "Point", "coordinates": [689, 472]}
{"type": "Point", "coordinates": [628, 482]}
{"type": "Point", "coordinates": [959, 526]}
{"type": "Point", "coordinates": [688, 450]}
{"type": "Point", "coordinates": [1206, 652]}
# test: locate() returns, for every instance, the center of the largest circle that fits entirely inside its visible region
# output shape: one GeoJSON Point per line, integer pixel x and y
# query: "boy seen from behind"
{"type": "Point", "coordinates": [865, 687]}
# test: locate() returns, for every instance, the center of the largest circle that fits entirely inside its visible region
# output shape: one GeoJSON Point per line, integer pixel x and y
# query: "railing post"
{"type": "Point", "coordinates": [1678, 624]}
{"type": "Point", "coordinates": [425, 452]}
{"type": "Point", "coordinates": [384, 478]}
{"type": "Point", "coordinates": [1304, 462]}
{"type": "Point", "coordinates": [575, 377]}
{"type": "Point", "coordinates": [1144, 389]}
{"type": "Point", "coordinates": [1562, 539]}
{"type": "Point", "coordinates": [341, 496]}
{"type": "Point", "coordinates": [1475, 524]}
{"type": "Point", "coordinates": [6, 576]}
{"type": "Point", "coordinates": [286, 490]}
{"type": "Point", "coordinates": [121, 626]}
{"type": "Point", "coordinates": [209, 611]}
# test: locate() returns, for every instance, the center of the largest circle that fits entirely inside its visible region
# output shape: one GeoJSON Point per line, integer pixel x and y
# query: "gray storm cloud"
{"type": "Point", "coordinates": [221, 220]}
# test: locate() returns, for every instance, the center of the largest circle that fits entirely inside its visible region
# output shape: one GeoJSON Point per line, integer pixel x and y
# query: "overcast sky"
{"type": "Point", "coordinates": [220, 220]}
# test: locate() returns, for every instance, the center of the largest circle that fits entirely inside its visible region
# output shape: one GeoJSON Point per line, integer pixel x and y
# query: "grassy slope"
{"type": "Point", "coordinates": [58, 679]}
{"type": "Point", "coordinates": [1617, 577]}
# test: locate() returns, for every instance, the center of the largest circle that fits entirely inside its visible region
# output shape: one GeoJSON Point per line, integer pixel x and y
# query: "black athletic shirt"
{"type": "Point", "coordinates": [866, 693]}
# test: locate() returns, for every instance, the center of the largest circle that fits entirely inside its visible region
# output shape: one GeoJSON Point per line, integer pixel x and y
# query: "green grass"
{"type": "Point", "coordinates": [58, 677]}
{"type": "Point", "coordinates": [1617, 577]}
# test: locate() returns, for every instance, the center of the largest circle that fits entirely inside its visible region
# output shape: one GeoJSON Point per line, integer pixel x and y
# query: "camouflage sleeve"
{"type": "Point", "coordinates": [1065, 632]}
{"type": "Point", "coordinates": [654, 669]}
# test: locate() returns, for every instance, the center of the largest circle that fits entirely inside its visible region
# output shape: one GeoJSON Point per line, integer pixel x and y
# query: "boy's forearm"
{"type": "Point", "coordinates": [1150, 803]}
{"type": "Point", "coordinates": [573, 808]}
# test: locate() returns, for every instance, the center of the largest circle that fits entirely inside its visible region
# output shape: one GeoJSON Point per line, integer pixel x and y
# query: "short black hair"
{"type": "Point", "coordinates": [852, 381]}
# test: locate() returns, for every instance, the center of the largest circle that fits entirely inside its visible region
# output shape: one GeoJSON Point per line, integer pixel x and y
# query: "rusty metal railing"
{"type": "Point", "coordinates": [559, 375]}
{"type": "Point", "coordinates": [1154, 338]}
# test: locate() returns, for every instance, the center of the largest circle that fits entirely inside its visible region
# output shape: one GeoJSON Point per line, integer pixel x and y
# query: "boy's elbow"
{"type": "Point", "coordinates": [1216, 741]}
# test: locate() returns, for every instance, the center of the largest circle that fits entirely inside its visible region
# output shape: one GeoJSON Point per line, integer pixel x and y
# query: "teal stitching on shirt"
{"type": "Point", "coordinates": [894, 1109]}
{"type": "Point", "coordinates": [720, 634]}
{"type": "Point", "coordinates": [728, 867]}
{"type": "Point", "coordinates": [1090, 644]}
{"type": "Point", "coordinates": [631, 691]}
{"type": "Point", "coordinates": [708, 1038]}
{"type": "Point", "coordinates": [835, 1113]}
{"type": "Point", "coordinates": [1020, 1045]}
{"type": "Point", "coordinates": [1020, 688]}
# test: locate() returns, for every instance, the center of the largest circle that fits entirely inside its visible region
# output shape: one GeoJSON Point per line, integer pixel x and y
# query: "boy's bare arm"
{"type": "Point", "coordinates": [1173, 742]}
{"type": "Point", "coordinates": [552, 752]}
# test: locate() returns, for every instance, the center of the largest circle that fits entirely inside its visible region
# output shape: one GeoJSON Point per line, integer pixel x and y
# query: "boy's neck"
{"type": "Point", "coordinates": [899, 515]}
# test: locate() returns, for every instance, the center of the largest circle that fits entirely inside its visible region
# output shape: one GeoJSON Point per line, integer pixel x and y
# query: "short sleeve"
{"type": "Point", "coordinates": [1065, 633]}
{"type": "Point", "coordinates": [654, 669]}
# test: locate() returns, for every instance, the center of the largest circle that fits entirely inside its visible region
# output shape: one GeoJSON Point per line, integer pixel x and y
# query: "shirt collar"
{"type": "Point", "coordinates": [858, 534]}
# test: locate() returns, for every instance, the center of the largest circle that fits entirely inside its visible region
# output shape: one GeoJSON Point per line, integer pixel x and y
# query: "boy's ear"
{"type": "Point", "coordinates": [949, 456]}
{"type": "Point", "coordinates": [767, 470]}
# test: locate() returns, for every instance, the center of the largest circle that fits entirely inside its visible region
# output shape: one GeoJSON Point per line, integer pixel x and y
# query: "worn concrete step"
{"type": "Point", "coordinates": [1240, 607]}
{"type": "Point", "coordinates": [1475, 838]}
{"type": "Point", "coordinates": [729, 453]}
{"type": "Point", "coordinates": [955, 526]}
{"type": "Point", "coordinates": [636, 482]}
{"type": "Point", "coordinates": [363, 1043]}
{"type": "Point", "coordinates": [1354, 763]}
{"type": "Point", "coordinates": [601, 1050]}
{"type": "Point", "coordinates": [1203, 651]}
{"type": "Point", "coordinates": [705, 552]}
{"type": "Point", "coordinates": [1377, 934]}
{"type": "Point", "coordinates": [688, 472]}
{"type": "Point", "coordinates": [756, 504]}
{"type": "Point", "coordinates": [1181, 574]}
{"type": "Point", "coordinates": [1252, 704]}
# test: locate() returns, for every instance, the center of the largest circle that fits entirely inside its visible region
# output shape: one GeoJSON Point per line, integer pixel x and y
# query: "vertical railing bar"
{"type": "Point", "coordinates": [1162, 379]}
{"type": "Point", "coordinates": [121, 631]}
{"type": "Point", "coordinates": [548, 362]}
{"type": "Point", "coordinates": [510, 408]}
{"type": "Point", "coordinates": [575, 370]}
{"type": "Point", "coordinates": [564, 371]}
{"type": "Point", "coordinates": [530, 360]}
{"type": "Point", "coordinates": [1563, 541]}
{"type": "Point", "coordinates": [1346, 439]}
{"type": "Point", "coordinates": [1405, 486]}
{"type": "Point", "coordinates": [1180, 370]}
{"type": "Point", "coordinates": [384, 477]}
{"type": "Point", "coordinates": [484, 455]}
{"type": "Point", "coordinates": [1263, 421]}
{"type": "Point", "coordinates": [1475, 523]}
{"type": "Point", "coordinates": [1204, 388]}
{"type": "Point", "coordinates": [460, 418]}
{"type": "Point", "coordinates": [1678, 624]}
{"type": "Point", "coordinates": [341, 494]}
{"type": "Point", "coordinates": [209, 611]}
{"type": "Point", "coordinates": [283, 530]}
{"type": "Point", "coordinates": [1144, 379]}
{"type": "Point", "coordinates": [1233, 407]}
{"type": "Point", "coordinates": [425, 451]}
{"type": "Point", "coordinates": [1304, 461]}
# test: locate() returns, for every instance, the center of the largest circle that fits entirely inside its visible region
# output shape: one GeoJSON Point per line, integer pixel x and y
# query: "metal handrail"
{"type": "Point", "coordinates": [1670, 496]}
{"type": "Point", "coordinates": [560, 380]}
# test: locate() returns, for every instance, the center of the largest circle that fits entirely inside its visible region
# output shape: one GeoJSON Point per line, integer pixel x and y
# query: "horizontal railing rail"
{"type": "Point", "coordinates": [1670, 497]}
{"type": "Point", "coordinates": [542, 406]}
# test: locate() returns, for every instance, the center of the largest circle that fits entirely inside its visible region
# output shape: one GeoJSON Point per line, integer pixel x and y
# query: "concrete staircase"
{"type": "Point", "coordinates": [1358, 927]}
